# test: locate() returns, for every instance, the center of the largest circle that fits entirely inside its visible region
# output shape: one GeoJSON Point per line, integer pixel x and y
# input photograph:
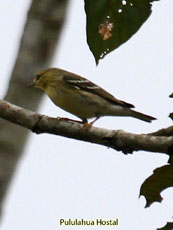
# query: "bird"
{"type": "Point", "coordinates": [83, 98]}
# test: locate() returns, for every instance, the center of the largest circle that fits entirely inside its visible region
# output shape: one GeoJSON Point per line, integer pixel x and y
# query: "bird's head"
{"type": "Point", "coordinates": [46, 78]}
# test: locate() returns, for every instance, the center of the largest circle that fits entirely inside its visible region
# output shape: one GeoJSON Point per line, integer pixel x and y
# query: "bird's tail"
{"type": "Point", "coordinates": [142, 116]}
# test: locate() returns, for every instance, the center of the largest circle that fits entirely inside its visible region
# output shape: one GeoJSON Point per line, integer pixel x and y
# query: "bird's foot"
{"type": "Point", "coordinates": [92, 122]}
{"type": "Point", "coordinates": [88, 125]}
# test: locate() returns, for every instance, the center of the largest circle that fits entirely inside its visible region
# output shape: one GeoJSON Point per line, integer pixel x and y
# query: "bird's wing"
{"type": "Point", "coordinates": [79, 82]}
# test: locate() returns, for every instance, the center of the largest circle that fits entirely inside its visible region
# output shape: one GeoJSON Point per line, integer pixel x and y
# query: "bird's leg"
{"type": "Point", "coordinates": [85, 122]}
{"type": "Point", "coordinates": [92, 122]}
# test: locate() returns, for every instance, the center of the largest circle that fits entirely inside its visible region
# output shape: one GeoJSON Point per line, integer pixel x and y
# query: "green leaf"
{"type": "Point", "coordinates": [171, 115]}
{"type": "Point", "coordinates": [110, 23]}
{"type": "Point", "coordinates": [161, 179]}
{"type": "Point", "coordinates": [168, 226]}
{"type": "Point", "coordinates": [171, 95]}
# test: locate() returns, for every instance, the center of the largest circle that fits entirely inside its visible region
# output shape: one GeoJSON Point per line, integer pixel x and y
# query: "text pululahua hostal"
{"type": "Point", "coordinates": [82, 222]}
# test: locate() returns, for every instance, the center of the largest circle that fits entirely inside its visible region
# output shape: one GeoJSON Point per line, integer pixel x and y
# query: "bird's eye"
{"type": "Point", "coordinates": [38, 77]}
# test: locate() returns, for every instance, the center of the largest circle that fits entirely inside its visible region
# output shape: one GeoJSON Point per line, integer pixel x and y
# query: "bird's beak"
{"type": "Point", "coordinates": [33, 84]}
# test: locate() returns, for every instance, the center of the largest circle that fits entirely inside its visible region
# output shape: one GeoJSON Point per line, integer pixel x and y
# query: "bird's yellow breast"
{"type": "Point", "coordinates": [75, 104]}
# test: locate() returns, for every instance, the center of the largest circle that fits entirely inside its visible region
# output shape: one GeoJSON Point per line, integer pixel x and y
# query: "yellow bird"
{"type": "Point", "coordinates": [81, 97]}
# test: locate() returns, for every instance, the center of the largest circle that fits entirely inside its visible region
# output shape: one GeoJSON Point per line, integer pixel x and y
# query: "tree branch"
{"type": "Point", "coordinates": [116, 139]}
{"type": "Point", "coordinates": [40, 38]}
{"type": "Point", "coordinates": [167, 132]}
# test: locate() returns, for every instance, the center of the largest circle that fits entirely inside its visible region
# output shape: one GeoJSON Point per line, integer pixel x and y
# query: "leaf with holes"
{"type": "Point", "coordinates": [168, 226]}
{"type": "Point", "coordinates": [110, 23]}
{"type": "Point", "coordinates": [161, 179]}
